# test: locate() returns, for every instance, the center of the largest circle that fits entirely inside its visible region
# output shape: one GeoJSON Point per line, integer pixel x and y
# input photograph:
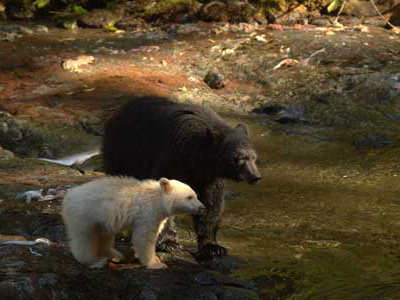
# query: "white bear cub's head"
{"type": "Point", "coordinates": [179, 198]}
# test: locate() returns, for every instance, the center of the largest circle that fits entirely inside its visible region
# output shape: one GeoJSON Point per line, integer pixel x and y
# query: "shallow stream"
{"type": "Point", "coordinates": [324, 222]}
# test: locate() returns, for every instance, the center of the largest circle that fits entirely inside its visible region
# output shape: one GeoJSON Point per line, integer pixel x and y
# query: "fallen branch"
{"type": "Point", "coordinates": [377, 10]}
{"type": "Point", "coordinates": [340, 11]}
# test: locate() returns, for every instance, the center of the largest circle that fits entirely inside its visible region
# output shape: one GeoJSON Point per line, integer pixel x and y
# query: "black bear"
{"type": "Point", "coordinates": [153, 137]}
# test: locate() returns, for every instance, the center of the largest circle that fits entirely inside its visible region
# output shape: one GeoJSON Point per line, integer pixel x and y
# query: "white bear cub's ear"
{"type": "Point", "coordinates": [165, 185]}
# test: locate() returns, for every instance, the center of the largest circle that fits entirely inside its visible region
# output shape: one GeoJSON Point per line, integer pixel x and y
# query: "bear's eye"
{"type": "Point", "coordinates": [190, 197]}
{"type": "Point", "coordinates": [240, 160]}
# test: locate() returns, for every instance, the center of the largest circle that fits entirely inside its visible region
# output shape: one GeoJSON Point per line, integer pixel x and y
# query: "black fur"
{"type": "Point", "coordinates": [152, 137]}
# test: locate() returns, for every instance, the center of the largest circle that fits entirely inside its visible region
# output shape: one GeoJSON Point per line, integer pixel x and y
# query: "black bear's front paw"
{"type": "Point", "coordinates": [168, 246]}
{"type": "Point", "coordinates": [170, 234]}
{"type": "Point", "coordinates": [211, 250]}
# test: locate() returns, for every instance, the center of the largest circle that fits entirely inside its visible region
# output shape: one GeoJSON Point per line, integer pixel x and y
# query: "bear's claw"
{"type": "Point", "coordinates": [168, 246]}
{"type": "Point", "coordinates": [211, 250]}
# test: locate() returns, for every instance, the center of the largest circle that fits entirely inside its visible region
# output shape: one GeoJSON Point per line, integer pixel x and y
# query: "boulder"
{"type": "Point", "coordinates": [20, 9]}
{"type": "Point", "coordinates": [364, 8]}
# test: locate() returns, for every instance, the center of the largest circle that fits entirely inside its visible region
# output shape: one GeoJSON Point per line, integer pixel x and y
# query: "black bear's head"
{"type": "Point", "coordinates": [237, 156]}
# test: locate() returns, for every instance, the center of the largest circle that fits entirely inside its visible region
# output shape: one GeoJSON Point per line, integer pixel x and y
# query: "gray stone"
{"type": "Point", "coordinates": [99, 18]}
{"type": "Point", "coordinates": [147, 294]}
{"type": "Point", "coordinates": [293, 114]}
{"type": "Point", "coordinates": [214, 79]}
{"type": "Point", "coordinates": [41, 28]}
{"type": "Point", "coordinates": [5, 154]}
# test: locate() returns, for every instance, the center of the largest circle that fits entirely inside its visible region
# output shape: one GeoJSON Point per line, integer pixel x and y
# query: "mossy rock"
{"type": "Point", "coordinates": [33, 139]}
{"type": "Point", "coordinates": [95, 163]}
{"type": "Point", "coordinates": [100, 18]}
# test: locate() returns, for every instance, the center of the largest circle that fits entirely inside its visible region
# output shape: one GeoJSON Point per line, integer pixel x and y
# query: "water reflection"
{"type": "Point", "coordinates": [326, 216]}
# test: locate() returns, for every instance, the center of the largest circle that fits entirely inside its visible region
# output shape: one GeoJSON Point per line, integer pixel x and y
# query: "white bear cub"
{"type": "Point", "coordinates": [96, 211]}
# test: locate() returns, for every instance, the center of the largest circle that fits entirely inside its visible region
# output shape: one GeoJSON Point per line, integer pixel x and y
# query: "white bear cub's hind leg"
{"type": "Point", "coordinates": [85, 247]}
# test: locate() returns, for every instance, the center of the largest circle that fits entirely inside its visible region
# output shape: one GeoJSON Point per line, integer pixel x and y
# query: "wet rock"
{"type": "Point", "coordinates": [92, 125]}
{"type": "Point", "coordinates": [41, 28]}
{"type": "Point", "coordinates": [373, 141]}
{"type": "Point", "coordinates": [276, 285]}
{"type": "Point", "coordinates": [227, 288]}
{"type": "Point", "coordinates": [27, 275]}
{"type": "Point", "coordinates": [297, 15]}
{"type": "Point", "coordinates": [214, 79]}
{"type": "Point", "coordinates": [9, 36]}
{"type": "Point", "coordinates": [20, 30]}
{"type": "Point", "coordinates": [11, 28]}
{"type": "Point", "coordinates": [270, 109]}
{"type": "Point", "coordinates": [18, 136]}
{"type": "Point", "coordinates": [33, 139]}
{"type": "Point", "coordinates": [69, 23]}
{"type": "Point", "coordinates": [320, 21]}
{"type": "Point", "coordinates": [172, 11]}
{"type": "Point", "coordinates": [225, 265]}
{"type": "Point", "coordinates": [349, 20]}
{"type": "Point", "coordinates": [375, 21]}
{"type": "Point", "coordinates": [293, 114]}
{"type": "Point", "coordinates": [260, 17]}
{"type": "Point", "coordinates": [264, 16]}
{"type": "Point", "coordinates": [240, 11]}
{"type": "Point", "coordinates": [94, 163]}
{"type": "Point", "coordinates": [147, 294]}
{"type": "Point", "coordinates": [395, 16]}
{"type": "Point", "coordinates": [282, 114]}
{"type": "Point", "coordinates": [5, 154]}
{"type": "Point", "coordinates": [20, 9]}
{"type": "Point", "coordinates": [100, 18]}
{"type": "Point", "coordinates": [233, 12]}
{"type": "Point", "coordinates": [244, 27]}
{"type": "Point", "coordinates": [234, 293]}
{"type": "Point", "coordinates": [132, 24]}
{"type": "Point", "coordinates": [363, 8]}
{"type": "Point", "coordinates": [215, 11]}
{"type": "Point", "coordinates": [185, 13]}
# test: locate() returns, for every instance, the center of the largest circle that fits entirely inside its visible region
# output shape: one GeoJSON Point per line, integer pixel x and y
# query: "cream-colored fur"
{"type": "Point", "coordinates": [94, 212]}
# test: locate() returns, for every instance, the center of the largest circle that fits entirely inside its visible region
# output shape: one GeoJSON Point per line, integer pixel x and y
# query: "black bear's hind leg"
{"type": "Point", "coordinates": [168, 238]}
{"type": "Point", "coordinates": [206, 225]}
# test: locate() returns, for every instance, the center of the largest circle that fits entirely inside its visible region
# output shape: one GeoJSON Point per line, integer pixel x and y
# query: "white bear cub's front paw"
{"type": "Point", "coordinates": [157, 265]}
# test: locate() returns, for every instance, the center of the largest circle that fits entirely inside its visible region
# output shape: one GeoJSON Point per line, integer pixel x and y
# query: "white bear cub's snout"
{"type": "Point", "coordinates": [198, 207]}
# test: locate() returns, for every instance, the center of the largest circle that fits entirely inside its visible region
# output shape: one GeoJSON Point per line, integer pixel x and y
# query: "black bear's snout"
{"type": "Point", "coordinates": [251, 173]}
{"type": "Point", "coordinates": [254, 179]}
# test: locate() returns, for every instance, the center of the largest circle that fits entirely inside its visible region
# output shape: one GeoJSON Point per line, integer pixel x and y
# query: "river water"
{"type": "Point", "coordinates": [323, 223]}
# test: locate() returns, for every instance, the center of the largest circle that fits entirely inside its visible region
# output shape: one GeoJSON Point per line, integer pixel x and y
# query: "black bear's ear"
{"type": "Point", "coordinates": [165, 185]}
{"type": "Point", "coordinates": [242, 129]}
